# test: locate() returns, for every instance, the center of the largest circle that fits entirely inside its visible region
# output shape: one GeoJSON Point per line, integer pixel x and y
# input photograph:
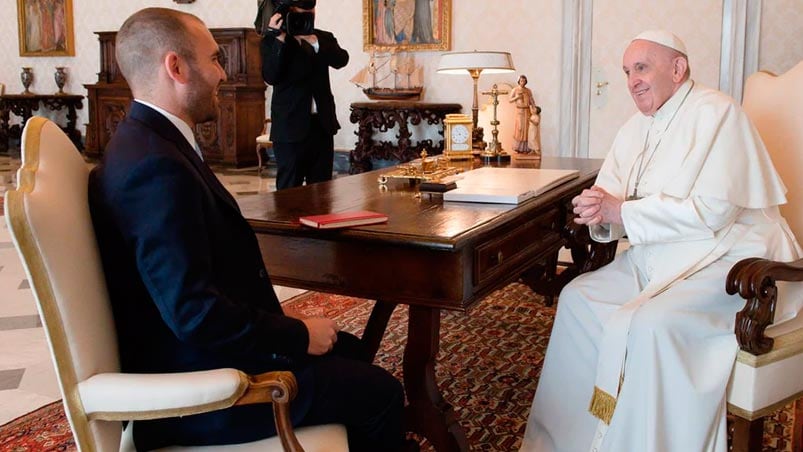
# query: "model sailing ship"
{"type": "Point", "coordinates": [391, 76]}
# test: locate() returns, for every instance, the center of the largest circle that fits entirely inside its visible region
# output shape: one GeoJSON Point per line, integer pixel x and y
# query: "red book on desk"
{"type": "Point", "coordinates": [343, 219]}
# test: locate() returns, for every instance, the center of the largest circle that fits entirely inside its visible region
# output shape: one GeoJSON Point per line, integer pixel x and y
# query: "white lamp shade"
{"type": "Point", "coordinates": [487, 62]}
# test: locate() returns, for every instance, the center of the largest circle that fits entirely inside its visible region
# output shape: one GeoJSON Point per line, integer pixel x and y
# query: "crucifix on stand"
{"type": "Point", "coordinates": [495, 150]}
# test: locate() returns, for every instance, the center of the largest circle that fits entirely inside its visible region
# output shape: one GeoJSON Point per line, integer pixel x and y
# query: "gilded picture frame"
{"type": "Point", "coordinates": [408, 25]}
{"type": "Point", "coordinates": [45, 28]}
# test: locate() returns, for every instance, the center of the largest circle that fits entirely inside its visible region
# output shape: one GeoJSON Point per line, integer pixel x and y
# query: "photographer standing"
{"type": "Point", "coordinates": [295, 60]}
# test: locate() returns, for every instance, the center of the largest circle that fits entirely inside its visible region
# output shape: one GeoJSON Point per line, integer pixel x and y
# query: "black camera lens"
{"type": "Point", "coordinates": [299, 24]}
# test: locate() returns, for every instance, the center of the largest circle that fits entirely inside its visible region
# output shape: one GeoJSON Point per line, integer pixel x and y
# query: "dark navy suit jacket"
{"type": "Point", "coordinates": [187, 283]}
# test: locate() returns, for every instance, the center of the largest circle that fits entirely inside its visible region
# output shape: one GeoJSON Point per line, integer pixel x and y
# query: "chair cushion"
{"type": "Point", "coordinates": [319, 438]}
{"type": "Point", "coordinates": [263, 139]}
{"type": "Point", "coordinates": [760, 384]}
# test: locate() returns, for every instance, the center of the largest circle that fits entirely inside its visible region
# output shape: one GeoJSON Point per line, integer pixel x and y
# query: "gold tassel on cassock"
{"type": "Point", "coordinates": [602, 405]}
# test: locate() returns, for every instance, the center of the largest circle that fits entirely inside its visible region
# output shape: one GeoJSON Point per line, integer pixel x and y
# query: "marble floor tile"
{"type": "Point", "coordinates": [15, 402]}
{"type": "Point", "coordinates": [19, 322]}
{"type": "Point", "coordinates": [23, 348]}
{"type": "Point", "coordinates": [10, 378]}
{"type": "Point", "coordinates": [21, 304]}
{"type": "Point", "coordinates": [41, 379]}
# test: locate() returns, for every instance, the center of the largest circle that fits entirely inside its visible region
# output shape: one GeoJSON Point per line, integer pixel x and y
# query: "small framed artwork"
{"type": "Point", "coordinates": [45, 27]}
{"type": "Point", "coordinates": [408, 25]}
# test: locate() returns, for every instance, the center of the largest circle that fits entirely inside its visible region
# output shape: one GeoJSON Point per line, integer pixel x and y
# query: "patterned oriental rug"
{"type": "Point", "coordinates": [489, 364]}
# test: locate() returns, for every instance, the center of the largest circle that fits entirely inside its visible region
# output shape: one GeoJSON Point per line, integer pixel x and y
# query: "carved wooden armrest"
{"type": "Point", "coordinates": [754, 280]}
{"type": "Point", "coordinates": [587, 254]}
{"type": "Point", "coordinates": [278, 388]}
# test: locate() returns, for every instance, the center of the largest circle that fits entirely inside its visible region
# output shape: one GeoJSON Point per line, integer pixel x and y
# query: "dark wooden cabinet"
{"type": "Point", "coordinates": [230, 139]}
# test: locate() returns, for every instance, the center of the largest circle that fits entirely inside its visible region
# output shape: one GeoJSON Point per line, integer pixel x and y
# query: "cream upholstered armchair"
{"type": "Point", "coordinates": [49, 219]}
{"type": "Point", "coordinates": [768, 373]}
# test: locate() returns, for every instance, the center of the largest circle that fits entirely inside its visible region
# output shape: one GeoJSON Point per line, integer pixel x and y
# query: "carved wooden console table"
{"type": "Point", "coordinates": [383, 116]}
{"type": "Point", "coordinates": [23, 105]}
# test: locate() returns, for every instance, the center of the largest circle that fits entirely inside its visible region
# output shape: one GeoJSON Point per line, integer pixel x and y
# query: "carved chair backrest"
{"type": "Point", "coordinates": [775, 105]}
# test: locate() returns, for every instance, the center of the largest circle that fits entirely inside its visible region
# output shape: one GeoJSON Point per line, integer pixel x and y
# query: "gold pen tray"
{"type": "Point", "coordinates": [425, 169]}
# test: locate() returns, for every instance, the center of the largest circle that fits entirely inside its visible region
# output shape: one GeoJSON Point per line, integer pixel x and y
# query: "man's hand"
{"type": "Point", "coordinates": [275, 26]}
{"type": "Point", "coordinates": [322, 334]}
{"type": "Point", "coordinates": [595, 206]}
{"type": "Point", "coordinates": [311, 39]}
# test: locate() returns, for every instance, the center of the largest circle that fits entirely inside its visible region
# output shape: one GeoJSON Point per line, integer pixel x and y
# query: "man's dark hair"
{"type": "Point", "coordinates": [146, 37]}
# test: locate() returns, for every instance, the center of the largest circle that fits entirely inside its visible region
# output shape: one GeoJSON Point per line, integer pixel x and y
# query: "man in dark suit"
{"type": "Point", "coordinates": [187, 283]}
{"type": "Point", "coordinates": [302, 107]}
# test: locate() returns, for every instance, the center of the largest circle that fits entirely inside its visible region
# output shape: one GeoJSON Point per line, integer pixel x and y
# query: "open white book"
{"type": "Point", "coordinates": [506, 185]}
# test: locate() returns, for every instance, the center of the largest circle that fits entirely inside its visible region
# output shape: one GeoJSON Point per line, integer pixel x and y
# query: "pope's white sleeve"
{"type": "Point", "coordinates": [663, 219]}
{"type": "Point", "coordinates": [607, 232]}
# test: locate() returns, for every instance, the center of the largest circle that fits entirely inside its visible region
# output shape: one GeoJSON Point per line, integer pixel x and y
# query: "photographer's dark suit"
{"type": "Point", "coordinates": [189, 291]}
{"type": "Point", "coordinates": [303, 142]}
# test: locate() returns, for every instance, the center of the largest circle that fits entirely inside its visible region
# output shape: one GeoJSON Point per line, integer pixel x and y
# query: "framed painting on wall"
{"type": "Point", "coordinates": [45, 27]}
{"type": "Point", "coordinates": [406, 25]}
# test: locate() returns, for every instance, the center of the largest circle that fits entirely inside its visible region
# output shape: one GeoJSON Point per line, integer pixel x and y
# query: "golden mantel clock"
{"type": "Point", "coordinates": [457, 136]}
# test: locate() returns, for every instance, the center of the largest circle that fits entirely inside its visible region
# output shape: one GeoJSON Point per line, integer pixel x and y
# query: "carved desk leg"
{"type": "Point", "coordinates": [427, 412]}
{"type": "Point", "coordinates": [404, 141]}
{"type": "Point", "coordinates": [375, 328]}
{"type": "Point", "coordinates": [24, 109]}
{"type": "Point", "coordinates": [358, 158]}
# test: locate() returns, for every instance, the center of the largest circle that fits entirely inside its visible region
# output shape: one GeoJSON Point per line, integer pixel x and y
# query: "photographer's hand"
{"type": "Point", "coordinates": [275, 27]}
{"type": "Point", "coordinates": [311, 39]}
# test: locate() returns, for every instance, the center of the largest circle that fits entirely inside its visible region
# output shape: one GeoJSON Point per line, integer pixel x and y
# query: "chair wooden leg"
{"type": "Point", "coordinates": [259, 160]}
{"type": "Point", "coordinates": [746, 436]}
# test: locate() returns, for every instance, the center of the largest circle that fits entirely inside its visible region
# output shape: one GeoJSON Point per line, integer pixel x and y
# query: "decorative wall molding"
{"type": "Point", "coordinates": [575, 86]}
{"type": "Point", "coordinates": [741, 33]}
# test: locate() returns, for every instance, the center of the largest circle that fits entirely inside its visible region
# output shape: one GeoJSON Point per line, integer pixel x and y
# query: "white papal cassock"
{"type": "Point", "coordinates": [650, 336]}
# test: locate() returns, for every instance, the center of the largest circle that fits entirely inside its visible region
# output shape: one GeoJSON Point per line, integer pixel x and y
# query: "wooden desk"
{"type": "Point", "coordinates": [383, 116]}
{"type": "Point", "coordinates": [430, 255]}
{"type": "Point", "coordinates": [23, 105]}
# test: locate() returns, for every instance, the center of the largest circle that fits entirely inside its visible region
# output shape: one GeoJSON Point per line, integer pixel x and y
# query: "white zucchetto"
{"type": "Point", "coordinates": [664, 38]}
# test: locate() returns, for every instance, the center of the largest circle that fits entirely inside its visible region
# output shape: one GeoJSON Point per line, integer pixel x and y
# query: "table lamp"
{"type": "Point", "coordinates": [474, 63]}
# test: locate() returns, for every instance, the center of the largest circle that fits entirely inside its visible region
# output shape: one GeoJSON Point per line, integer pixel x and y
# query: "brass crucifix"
{"type": "Point", "coordinates": [495, 147]}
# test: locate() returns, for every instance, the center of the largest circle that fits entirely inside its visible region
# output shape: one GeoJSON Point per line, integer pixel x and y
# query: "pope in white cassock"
{"type": "Point", "coordinates": [642, 349]}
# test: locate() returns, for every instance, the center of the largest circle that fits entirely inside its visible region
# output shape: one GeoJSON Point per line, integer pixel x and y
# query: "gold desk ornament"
{"type": "Point", "coordinates": [424, 169]}
{"type": "Point", "coordinates": [494, 150]}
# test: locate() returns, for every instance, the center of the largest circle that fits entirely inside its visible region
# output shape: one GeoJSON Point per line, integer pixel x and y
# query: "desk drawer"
{"type": "Point", "coordinates": [513, 248]}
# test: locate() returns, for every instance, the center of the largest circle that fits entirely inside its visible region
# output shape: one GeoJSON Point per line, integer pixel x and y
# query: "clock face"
{"type": "Point", "coordinates": [459, 134]}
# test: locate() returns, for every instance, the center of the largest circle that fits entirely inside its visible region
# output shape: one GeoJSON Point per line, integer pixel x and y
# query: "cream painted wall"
{"type": "Point", "coordinates": [532, 35]}
{"type": "Point", "coordinates": [529, 29]}
{"type": "Point", "coordinates": [781, 45]}
{"type": "Point", "coordinates": [616, 22]}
